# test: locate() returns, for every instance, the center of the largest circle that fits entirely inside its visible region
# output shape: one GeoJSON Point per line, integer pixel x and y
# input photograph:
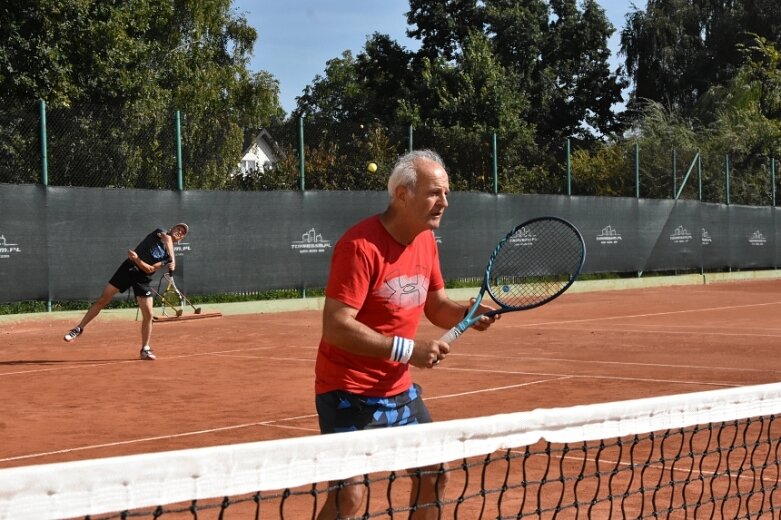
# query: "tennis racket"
{"type": "Point", "coordinates": [531, 266]}
{"type": "Point", "coordinates": [169, 277]}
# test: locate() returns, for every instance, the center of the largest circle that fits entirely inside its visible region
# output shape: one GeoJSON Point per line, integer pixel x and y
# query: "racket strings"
{"type": "Point", "coordinates": [535, 263]}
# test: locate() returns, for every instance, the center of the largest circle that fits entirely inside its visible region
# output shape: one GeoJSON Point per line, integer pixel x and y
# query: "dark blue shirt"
{"type": "Point", "coordinates": [151, 249]}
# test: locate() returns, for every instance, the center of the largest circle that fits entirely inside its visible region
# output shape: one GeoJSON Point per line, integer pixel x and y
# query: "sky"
{"type": "Point", "coordinates": [297, 37]}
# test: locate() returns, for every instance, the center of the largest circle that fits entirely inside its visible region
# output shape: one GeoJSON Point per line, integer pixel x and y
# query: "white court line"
{"type": "Point", "coordinates": [272, 423]}
{"type": "Point", "coordinates": [678, 332]}
{"type": "Point", "coordinates": [526, 325]}
{"type": "Point", "coordinates": [593, 376]}
{"type": "Point", "coordinates": [213, 430]}
{"type": "Point", "coordinates": [164, 437]}
{"type": "Point", "coordinates": [617, 363]}
{"type": "Point", "coordinates": [275, 422]}
{"type": "Point", "coordinates": [696, 327]}
{"type": "Point", "coordinates": [162, 358]}
{"type": "Point", "coordinates": [650, 314]}
{"type": "Point", "coordinates": [659, 468]}
{"type": "Point", "coordinates": [497, 388]}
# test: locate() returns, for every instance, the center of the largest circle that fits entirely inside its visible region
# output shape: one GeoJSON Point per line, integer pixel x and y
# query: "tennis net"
{"type": "Point", "coordinates": [709, 454]}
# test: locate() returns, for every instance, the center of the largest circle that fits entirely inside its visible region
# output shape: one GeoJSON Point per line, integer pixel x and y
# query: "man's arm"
{"type": "Point", "coordinates": [147, 268]}
{"type": "Point", "coordinates": [340, 328]}
{"type": "Point", "coordinates": [445, 313]}
{"type": "Point", "coordinates": [168, 243]}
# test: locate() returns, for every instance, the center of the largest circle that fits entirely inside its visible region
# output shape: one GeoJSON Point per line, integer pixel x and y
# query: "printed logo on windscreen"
{"type": "Point", "coordinates": [757, 239]}
{"type": "Point", "coordinates": [522, 238]}
{"type": "Point", "coordinates": [608, 236]}
{"type": "Point", "coordinates": [181, 248]}
{"type": "Point", "coordinates": [311, 242]}
{"type": "Point", "coordinates": [681, 235]}
{"type": "Point", "coordinates": [8, 249]}
{"type": "Point", "coordinates": [706, 238]}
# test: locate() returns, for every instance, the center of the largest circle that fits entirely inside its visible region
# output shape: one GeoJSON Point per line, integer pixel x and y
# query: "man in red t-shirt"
{"type": "Point", "coordinates": [385, 275]}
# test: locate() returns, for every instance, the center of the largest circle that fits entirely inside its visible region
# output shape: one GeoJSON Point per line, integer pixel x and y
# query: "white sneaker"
{"type": "Point", "coordinates": [72, 334]}
{"type": "Point", "coordinates": [146, 353]}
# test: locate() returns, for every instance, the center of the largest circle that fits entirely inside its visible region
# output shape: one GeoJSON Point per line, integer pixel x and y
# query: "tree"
{"type": "Point", "coordinates": [575, 91]}
{"type": "Point", "coordinates": [528, 71]}
{"type": "Point", "coordinates": [557, 54]}
{"type": "Point", "coordinates": [677, 49]}
{"type": "Point", "coordinates": [144, 59]}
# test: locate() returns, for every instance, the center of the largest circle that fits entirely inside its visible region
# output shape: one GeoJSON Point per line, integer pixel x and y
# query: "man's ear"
{"type": "Point", "coordinates": [402, 194]}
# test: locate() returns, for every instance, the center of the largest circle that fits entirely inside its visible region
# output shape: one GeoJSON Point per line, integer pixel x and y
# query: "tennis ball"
{"type": "Point", "coordinates": [372, 167]}
{"type": "Point", "coordinates": [506, 288]}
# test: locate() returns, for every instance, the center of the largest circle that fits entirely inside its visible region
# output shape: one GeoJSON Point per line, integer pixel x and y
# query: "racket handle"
{"type": "Point", "coordinates": [451, 335]}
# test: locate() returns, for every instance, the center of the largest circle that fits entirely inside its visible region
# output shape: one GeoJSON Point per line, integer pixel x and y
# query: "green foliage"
{"type": "Point", "coordinates": [114, 73]}
{"type": "Point", "coordinates": [730, 130]}
{"type": "Point", "coordinates": [482, 68]}
{"type": "Point", "coordinates": [532, 73]}
{"type": "Point", "coordinates": [603, 171]}
{"type": "Point", "coordinates": [677, 50]}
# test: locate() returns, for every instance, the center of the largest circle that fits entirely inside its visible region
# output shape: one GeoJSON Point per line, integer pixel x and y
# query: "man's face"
{"type": "Point", "coordinates": [177, 233]}
{"type": "Point", "coordinates": [427, 204]}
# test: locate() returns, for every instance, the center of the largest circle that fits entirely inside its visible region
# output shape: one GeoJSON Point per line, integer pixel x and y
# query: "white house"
{"type": "Point", "coordinates": [258, 153]}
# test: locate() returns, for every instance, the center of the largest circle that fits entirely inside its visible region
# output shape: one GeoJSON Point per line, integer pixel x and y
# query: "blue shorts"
{"type": "Point", "coordinates": [341, 411]}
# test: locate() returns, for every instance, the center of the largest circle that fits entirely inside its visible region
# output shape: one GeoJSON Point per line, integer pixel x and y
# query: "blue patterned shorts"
{"type": "Point", "coordinates": [341, 411]}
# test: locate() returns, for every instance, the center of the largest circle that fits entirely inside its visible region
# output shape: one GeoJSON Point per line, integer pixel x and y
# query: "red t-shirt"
{"type": "Point", "coordinates": [387, 282]}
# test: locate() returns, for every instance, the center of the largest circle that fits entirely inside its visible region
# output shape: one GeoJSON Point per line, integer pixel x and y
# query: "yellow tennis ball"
{"type": "Point", "coordinates": [372, 167]}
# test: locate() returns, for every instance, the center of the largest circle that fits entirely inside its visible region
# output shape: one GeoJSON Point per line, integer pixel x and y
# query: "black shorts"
{"type": "Point", "coordinates": [341, 411]}
{"type": "Point", "coordinates": [129, 275]}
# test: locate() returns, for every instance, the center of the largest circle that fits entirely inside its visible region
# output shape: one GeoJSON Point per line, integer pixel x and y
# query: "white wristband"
{"type": "Point", "coordinates": [401, 351]}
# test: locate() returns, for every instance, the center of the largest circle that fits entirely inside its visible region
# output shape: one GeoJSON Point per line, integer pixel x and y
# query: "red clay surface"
{"type": "Point", "coordinates": [250, 377]}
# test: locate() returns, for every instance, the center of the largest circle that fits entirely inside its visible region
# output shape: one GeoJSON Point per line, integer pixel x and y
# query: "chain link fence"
{"type": "Point", "coordinates": [124, 147]}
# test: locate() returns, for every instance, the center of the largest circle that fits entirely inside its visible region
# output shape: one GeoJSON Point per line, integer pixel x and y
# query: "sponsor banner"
{"type": "Point", "coordinates": [24, 273]}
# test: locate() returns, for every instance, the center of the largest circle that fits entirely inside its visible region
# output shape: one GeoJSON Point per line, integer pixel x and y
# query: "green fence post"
{"type": "Point", "coordinates": [699, 174]}
{"type": "Point", "coordinates": [773, 180]}
{"type": "Point", "coordinates": [726, 175]}
{"type": "Point", "coordinates": [179, 175]}
{"type": "Point", "coordinates": [675, 175]}
{"type": "Point", "coordinates": [637, 183]}
{"type": "Point", "coordinates": [44, 152]}
{"type": "Point", "coordinates": [44, 163]}
{"type": "Point", "coordinates": [495, 163]}
{"type": "Point", "coordinates": [409, 139]}
{"type": "Point", "coordinates": [301, 169]}
{"type": "Point", "coordinates": [569, 167]}
{"type": "Point", "coordinates": [637, 170]}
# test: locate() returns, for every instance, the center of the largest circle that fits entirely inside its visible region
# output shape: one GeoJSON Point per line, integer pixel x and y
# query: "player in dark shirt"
{"type": "Point", "coordinates": [155, 251]}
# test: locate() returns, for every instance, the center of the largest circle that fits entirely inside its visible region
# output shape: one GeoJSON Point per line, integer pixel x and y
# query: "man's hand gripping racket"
{"type": "Point", "coordinates": [534, 264]}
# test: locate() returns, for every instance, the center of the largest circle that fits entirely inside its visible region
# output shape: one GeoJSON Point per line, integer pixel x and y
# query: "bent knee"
{"type": "Point", "coordinates": [347, 500]}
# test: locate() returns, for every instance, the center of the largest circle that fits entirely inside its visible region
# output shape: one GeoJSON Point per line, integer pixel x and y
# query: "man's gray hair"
{"type": "Point", "coordinates": [404, 172]}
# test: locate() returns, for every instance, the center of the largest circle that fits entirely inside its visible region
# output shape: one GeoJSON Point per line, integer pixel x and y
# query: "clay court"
{"type": "Point", "coordinates": [249, 377]}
